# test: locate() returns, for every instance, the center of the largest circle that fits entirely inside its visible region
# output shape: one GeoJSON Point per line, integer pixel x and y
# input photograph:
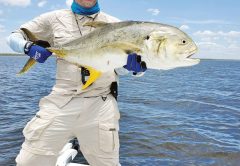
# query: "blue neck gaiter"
{"type": "Point", "coordinates": [78, 9]}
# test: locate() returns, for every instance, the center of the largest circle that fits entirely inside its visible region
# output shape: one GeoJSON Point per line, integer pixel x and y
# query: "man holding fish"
{"type": "Point", "coordinates": [90, 114]}
{"type": "Point", "coordinates": [92, 49]}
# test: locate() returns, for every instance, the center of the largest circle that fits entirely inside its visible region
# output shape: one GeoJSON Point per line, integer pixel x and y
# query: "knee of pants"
{"type": "Point", "coordinates": [26, 158]}
{"type": "Point", "coordinates": [100, 161]}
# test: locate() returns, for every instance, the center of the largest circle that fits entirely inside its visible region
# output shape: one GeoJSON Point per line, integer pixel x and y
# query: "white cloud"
{"type": "Point", "coordinates": [22, 3]}
{"type": "Point", "coordinates": [1, 12]}
{"type": "Point", "coordinates": [218, 44]}
{"type": "Point", "coordinates": [204, 34]}
{"type": "Point", "coordinates": [209, 45]}
{"type": "Point", "coordinates": [42, 3]}
{"type": "Point", "coordinates": [154, 12]}
{"type": "Point", "coordinates": [232, 34]}
{"type": "Point", "coordinates": [207, 33]}
{"type": "Point", "coordinates": [2, 28]}
{"type": "Point", "coordinates": [184, 27]}
{"type": "Point", "coordinates": [216, 51]}
{"type": "Point", "coordinates": [234, 46]}
{"type": "Point", "coordinates": [56, 7]}
{"type": "Point", "coordinates": [69, 2]}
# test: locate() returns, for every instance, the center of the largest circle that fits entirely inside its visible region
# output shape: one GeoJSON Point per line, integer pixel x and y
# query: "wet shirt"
{"type": "Point", "coordinates": [60, 27]}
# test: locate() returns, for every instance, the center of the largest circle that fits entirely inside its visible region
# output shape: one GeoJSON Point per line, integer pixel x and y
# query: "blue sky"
{"type": "Point", "coordinates": [213, 24]}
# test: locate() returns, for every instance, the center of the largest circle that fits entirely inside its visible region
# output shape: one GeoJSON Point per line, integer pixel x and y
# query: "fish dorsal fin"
{"type": "Point", "coordinates": [125, 46]}
{"type": "Point", "coordinates": [30, 35]}
{"type": "Point", "coordinates": [27, 66]}
{"type": "Point", "coordinates": [96, 24]}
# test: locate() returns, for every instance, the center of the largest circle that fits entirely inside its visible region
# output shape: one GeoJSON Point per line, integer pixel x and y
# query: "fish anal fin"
{"type": "Point", "coordinates": [61, 53]}
{"type": "Point", "coordinates": [94, 75]}
{"type": "Point", "coordinates": [27, 66]}
{"type": "Point", "coordinates": [96, 24]}
{"type": "Point", "coordinates": [125, 46]}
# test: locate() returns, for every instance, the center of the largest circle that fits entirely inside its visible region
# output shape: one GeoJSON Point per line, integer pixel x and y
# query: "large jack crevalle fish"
{"type": "Point", "coordinates": [106, 48]}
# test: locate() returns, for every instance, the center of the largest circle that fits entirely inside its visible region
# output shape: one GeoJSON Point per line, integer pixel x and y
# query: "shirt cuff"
{"type": "Point", "coordinates": [16, 42]}
{"type": "Point", "coordinates": [121, 71]}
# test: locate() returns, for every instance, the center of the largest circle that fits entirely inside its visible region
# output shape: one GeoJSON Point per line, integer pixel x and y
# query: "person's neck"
{"type": "Point", "coordinates": [78, 9]}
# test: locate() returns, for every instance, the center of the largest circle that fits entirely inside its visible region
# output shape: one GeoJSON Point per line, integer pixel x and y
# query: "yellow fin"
{"type": "Point", "coordinates": [125, 46]}
{"type": "Point", "coordinates": [94, 75]}
{"type": "Point", "coordinates": [96, 24]}
{"type": "Point", "coordinates": [27, 66]}
{"type": "Point", "coordinates": [61, 53]}
{"type": "Point", "coordinates": [30, 35]}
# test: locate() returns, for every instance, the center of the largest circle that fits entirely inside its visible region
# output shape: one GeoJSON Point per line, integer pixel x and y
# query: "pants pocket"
{"type": "Point", "coordinates": [108, 137]}
{"type": "Point", "coordinates": [34, 129]}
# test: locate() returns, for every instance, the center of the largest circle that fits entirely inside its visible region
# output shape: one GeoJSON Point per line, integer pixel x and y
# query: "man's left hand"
{"type": "Point", "coordinates": [135, 64]}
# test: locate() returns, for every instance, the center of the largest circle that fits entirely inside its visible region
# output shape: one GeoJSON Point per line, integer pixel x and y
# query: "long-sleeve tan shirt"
{"type": "Point", "coordinates": [59, 27]}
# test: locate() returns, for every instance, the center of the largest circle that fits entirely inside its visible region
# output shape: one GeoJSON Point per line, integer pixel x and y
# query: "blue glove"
{"type": "Point", "coordinates": [135, 64]}
{"type": "Point", "coordinates": [40, 54]}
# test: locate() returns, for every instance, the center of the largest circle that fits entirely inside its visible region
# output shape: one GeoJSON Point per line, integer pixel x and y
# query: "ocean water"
{"type": "Point", "coordinates": [186, 116]}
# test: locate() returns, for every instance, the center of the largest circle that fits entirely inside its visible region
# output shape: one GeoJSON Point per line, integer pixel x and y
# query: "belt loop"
{"type": "Point", "coordinates": [104, 98]}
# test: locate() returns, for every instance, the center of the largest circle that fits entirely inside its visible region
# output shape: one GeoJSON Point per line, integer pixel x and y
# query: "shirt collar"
{"type": "Point", "coordinates": [93, 16]}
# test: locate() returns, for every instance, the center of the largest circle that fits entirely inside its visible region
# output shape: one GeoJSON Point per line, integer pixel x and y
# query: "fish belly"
{"type": "Point", "coordinates": [101, 61]}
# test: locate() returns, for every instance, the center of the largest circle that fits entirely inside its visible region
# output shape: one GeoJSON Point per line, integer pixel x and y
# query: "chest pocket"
{"type": "Point", "coordinates": [64, 30]}
{"type": "Point", "coordinates": [62, 36]}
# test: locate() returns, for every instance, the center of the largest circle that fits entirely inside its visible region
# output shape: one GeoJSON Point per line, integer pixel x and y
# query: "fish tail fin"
{"type": "Point", "coordinates": [31, 37]}
{"type": "Point", "coordinates": [30, 63]}
{"type": "Point", "coordinates": [61, 53]}
{"type": "Point", "coordinates": [94, 75]}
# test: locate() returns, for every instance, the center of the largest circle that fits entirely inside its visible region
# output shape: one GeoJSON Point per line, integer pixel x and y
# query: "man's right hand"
{"type": "Point", "coordinates": [40, 54]}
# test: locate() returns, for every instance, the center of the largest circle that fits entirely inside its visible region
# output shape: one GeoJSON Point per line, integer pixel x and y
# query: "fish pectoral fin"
{"type": "Point", "coordinates": [94, 75]}
{"type": "Point", "coordinates": [27, 66]}
{"type": "Point", "coordinates": [125, 46]}
{"type": "Point", "coordinates": [61, 53]}
{"type": "Point", "coordinates": [96, 24]}
{"type": "Point", "coordinates": [158, 36]}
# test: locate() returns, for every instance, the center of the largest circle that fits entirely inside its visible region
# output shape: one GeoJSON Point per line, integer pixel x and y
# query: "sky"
{"type": "Point", "coordinates": [213, 24]}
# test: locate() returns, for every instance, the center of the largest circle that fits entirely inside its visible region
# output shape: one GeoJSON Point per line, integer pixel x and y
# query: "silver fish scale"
{"type": "Point", "coordinates": [129, 31]}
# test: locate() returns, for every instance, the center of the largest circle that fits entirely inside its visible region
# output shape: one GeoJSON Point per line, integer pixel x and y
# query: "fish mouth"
{"type": "Point", "coordinates": [189, 56]}
{"type": "Point", "coordinates": [192, 61]}
{"type": "Point", "coordinates": [192, 53]}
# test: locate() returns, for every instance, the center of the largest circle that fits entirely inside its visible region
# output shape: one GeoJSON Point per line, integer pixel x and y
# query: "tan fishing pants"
{"type": "Point", "coordinates": [92, 120]}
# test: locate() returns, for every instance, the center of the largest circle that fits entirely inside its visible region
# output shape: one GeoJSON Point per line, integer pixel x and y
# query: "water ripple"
{"type": "Point", "coordinates": [182, 117]}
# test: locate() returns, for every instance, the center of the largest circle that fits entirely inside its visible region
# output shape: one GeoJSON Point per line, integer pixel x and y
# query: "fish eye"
{"type": "Point", "coordinates": [184, 41]}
